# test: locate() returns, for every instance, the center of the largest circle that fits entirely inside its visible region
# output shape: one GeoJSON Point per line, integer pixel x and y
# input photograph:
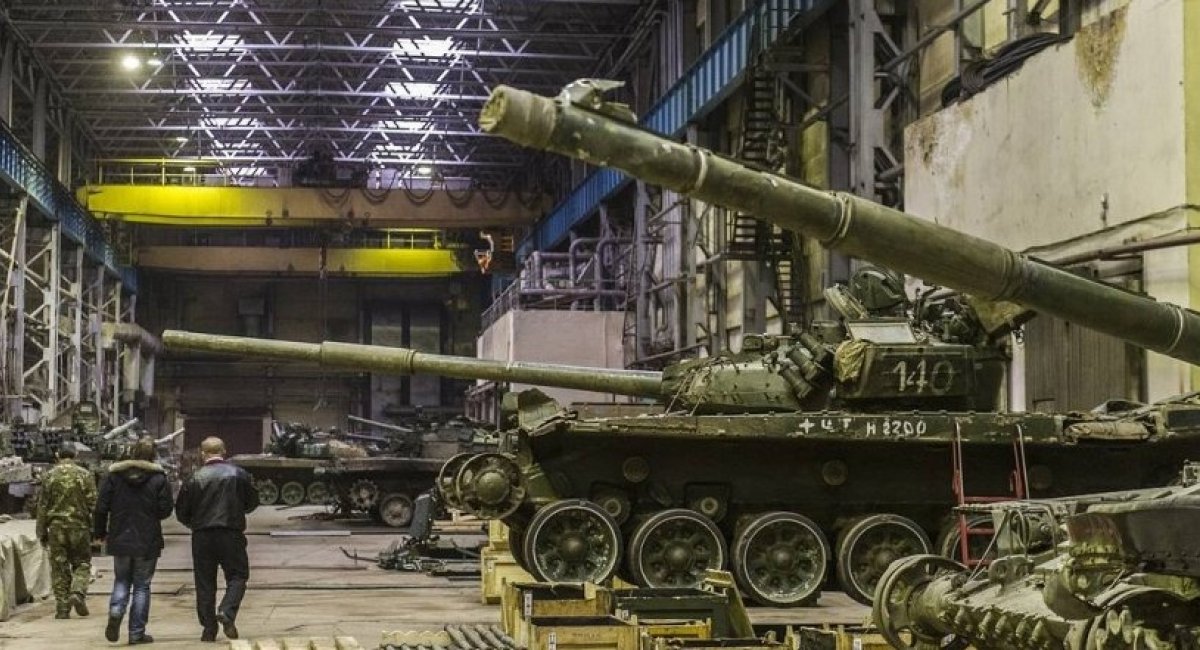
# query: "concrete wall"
{"type": "Point", "coordinates": [1085, 146]}
{"type": "Point", "coordinates": [585, 338]}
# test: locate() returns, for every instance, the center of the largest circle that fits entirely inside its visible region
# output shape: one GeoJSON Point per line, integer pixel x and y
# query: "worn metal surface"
{"type": "Point", "coordinates": [1095, 572]}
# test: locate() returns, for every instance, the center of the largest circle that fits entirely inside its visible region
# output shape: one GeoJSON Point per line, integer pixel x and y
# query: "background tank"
{"type": "Point", "coordinates": [379, 473]}
{"type": "Point", "coordinates": [829, 450]}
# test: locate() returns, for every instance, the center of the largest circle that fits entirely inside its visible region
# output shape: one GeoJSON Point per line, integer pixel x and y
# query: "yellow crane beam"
{"type": "Point", "coordinates": [382, 262]}
{"type": "Point", "coordinates": [307, 207]}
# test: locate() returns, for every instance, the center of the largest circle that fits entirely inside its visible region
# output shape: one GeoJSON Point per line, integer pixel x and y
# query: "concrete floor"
{"type": "Point", "coordinates": [305, 586]}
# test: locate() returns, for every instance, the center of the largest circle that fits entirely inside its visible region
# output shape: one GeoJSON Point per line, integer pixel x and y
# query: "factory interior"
{"type": "Point", "coordinates": [600, 324]}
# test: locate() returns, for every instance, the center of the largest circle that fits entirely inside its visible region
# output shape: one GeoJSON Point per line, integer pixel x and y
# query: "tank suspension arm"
{"type": "Point", "coordinates": [403, 361]}
{"type": "Point", "coordinates": [844, 222]}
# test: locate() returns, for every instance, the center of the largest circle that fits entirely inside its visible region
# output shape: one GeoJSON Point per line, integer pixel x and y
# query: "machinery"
{"type": "Point", "coordinates": [357, 472]}
{"type": "Point", "coordinates": [835, 449]}
{"type": "Point", "coordinates": [1097, 572]}
{"type": "Point", "coordinates": [386, 484]}
{"type": "Point", "coordinates": [286, 472]}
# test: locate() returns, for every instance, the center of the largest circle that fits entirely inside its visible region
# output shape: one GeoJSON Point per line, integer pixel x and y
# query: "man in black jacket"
{"type": "Point", "coordinates": [214, 503]}
{"type": "Point", "coordinates": [134, 499]}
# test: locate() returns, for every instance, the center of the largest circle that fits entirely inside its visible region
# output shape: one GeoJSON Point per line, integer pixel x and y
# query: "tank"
{"type": "Point", "coordinates": [1098, 571]}
{"type": "Point", "coordinates": [285, 473]}
{"type": "Point", "coordinates": [829, 451]}
{"type": "Point", "coordinates": [386, 484]}
{"type": "Point", "coordinates": [380, 475]}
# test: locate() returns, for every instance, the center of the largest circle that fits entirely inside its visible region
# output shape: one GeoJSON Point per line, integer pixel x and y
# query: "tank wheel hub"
{"type": "Point", "coordinates": [572, 541]}
{"type": "Point", "coordinates": [490, 485]}
{"type": "Point", "coordinates": [363, 494]}
{"type": "Point", "coordinates": [292, 493]}
{"type": "Point", "coordinates": [268, 492]}
{"type": "Point", "coordinates": [897, 595]}
{"type": "Point", "coordinates": [573, 547]}
{"type": "Point", "coordinates": [867, 547]}
{"type": "Point", "coordinates": [780, 559]}
{"type": "Point", "coordinates": [674, 548]}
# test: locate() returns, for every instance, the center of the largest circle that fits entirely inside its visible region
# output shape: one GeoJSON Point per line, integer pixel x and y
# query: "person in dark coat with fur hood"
{"type": "Point", "coordinates": [134, 499]}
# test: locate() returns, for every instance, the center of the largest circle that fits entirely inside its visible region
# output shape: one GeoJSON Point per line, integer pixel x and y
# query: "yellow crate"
{"type": "Point", "coordinates": [497, 535]}
{"type": "Point", "coordinates": [582, 633]}
{"type": "Point", "coordinates": [844, 637]}
{"type": "Point", "coordinates": [497, 570]}
{"type": "Point", "coordinates": [525, 600]}
{"type": "Point", "coordinates": [676, 630]}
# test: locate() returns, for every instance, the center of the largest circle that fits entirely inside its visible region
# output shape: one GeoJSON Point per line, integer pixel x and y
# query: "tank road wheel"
{"type": "Point", "coordinates": [318, 493]}
{"type": "Point", "coordinates": [572, 541]}
{"type": "Point", "coordinates": [292, 493]}
{"type": "Point", "coordinates": [445, 481]}
{"type": "Point", "coordinates": [894, 597]}
{"type": "Point", "coordinates": [364, 494]}
{"type": "Point", "coordinates": [867, 547]}
{"type": "Point", "coordinates": [674, 548]}
{"type": "Point", "coordinates": [780, 559]}
{"type": "Point", "coordinates": [490, 486]}
{"type": "Point", "coordinates": [516, 546]}
{"type": "Point", "coordinates": [268, 492]}
{"type": "Point", "coordinates": [396, 509]}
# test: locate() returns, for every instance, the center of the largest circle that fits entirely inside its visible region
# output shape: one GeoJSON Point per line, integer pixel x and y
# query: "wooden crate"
{"type": "Point", "coordinates": [841, 637]}
{"type": "Point", "coordinates": [525, 600]}
{"type": "Point", "coordinates": [497, 570]}
{"type": "Point", "coordinates": [582, 633]}
{"type": "Point", "coordinates": [497, 535]}
{"type": "Point", "coordinates": [674, 630]}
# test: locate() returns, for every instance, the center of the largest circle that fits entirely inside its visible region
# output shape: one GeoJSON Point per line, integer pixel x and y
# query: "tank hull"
{"type": "Point", "coordinates": [836, 471]}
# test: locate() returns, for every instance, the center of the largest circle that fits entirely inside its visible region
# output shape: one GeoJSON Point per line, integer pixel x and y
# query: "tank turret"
{"type": "Point", "coordinates": [579, 124]}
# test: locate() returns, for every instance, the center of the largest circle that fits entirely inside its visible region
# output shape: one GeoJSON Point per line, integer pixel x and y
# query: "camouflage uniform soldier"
{"type": "Point", "coordinates": [64, 519]}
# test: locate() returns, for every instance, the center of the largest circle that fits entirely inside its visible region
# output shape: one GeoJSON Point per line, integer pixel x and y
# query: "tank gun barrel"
{"type": "Point", "coordinates": [840, 221]}
{"type": "Point", "coordinates": [403, 361]}
{"type": "Point", "coordinates": [122, 429]}
{"type": "Point", "coordinates": [170, 436]}
{"type": "Point", "coordinates": [379, 425]}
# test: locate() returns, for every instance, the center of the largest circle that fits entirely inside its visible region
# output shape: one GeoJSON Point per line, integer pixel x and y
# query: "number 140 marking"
{"type": "Point", "coordinates": [938, 380]}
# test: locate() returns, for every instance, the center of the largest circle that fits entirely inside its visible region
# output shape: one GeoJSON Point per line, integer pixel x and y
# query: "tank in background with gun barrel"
{"type": "Point", "coordinates": [831, 449]}
{"type": "Point", "coordinates": [380, 475]}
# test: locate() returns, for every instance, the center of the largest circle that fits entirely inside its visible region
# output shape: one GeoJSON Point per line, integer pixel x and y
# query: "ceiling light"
{"type": "Point", "coordinates": [189, 169]}
{"type": "Point", "coordinates": [154, 61]}
{"type": "Point", "coordinates": [424, 170]}
{"type": "Point", "coordinates": [181, 139]}
{"type": "Point", "coordinates": [130, 62]}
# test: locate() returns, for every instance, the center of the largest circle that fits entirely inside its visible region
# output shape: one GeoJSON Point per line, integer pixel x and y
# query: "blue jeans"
{"type": "Point", "coordinates": [136, 572]}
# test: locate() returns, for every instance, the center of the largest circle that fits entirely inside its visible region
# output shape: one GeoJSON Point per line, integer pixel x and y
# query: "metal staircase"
{"type": "Point", "coordinates": [748, 238]}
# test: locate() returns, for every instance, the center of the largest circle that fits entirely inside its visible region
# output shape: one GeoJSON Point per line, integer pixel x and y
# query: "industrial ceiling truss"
{"type": "Point", "coordinates": [260, 84]}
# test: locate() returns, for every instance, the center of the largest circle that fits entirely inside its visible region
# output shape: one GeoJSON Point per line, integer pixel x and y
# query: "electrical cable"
{"type": "Point", "coordinates": [978, 75]}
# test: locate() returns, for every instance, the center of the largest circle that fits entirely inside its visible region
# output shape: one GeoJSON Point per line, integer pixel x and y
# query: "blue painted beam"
{"type": "Point", "coordinates": [705, 85]}
{"type": "Point", "coordinates": [25, 173]}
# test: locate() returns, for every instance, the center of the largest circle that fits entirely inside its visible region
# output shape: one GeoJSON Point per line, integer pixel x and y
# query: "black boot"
{"type": "Point", "coordinates": [227, 626]}
{"type": "Point", "coordinates": [80, 603]}
{"type": "Point", "coordinates": [62, 611]}
{"type": "Point", "coordinates": [145, 638]}
{"type": "Point", "coordinates": [112, 631]}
